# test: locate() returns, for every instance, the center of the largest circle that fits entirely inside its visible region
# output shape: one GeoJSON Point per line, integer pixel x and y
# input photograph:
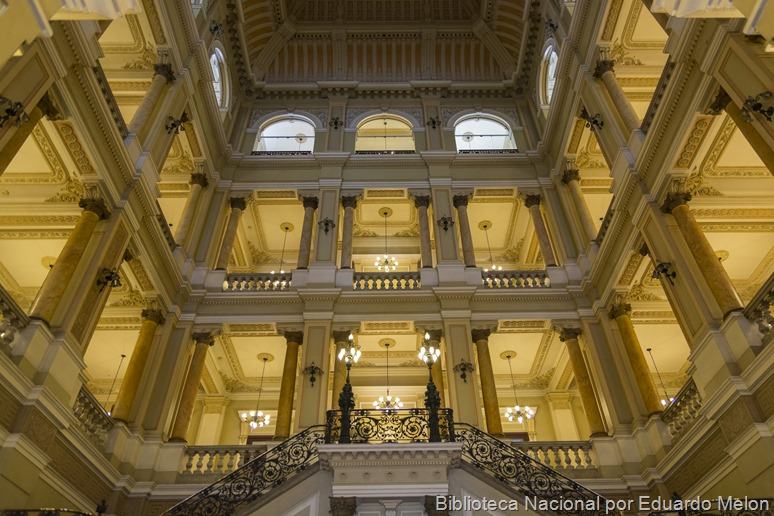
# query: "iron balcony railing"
{"type": "Point", "coordinates": [389, 426]}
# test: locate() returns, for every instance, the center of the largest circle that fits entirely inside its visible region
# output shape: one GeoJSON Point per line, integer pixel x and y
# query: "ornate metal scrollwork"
{"type": "Point", "coordinates": [463, 369]}
{"type": "Point", "coordinates": [14, 111]}
{"type": "Point", "coordinates": [446, 222]}
{"type": "Point", "coordinates": [592, 121]}
{"type": "Point", "coordinates": [175, 125]}
{"type": "Point", "coordinates": [327, 224]}
{"type": "Point", "coordinates": [755, 105]}
{"type": "Point", "coordinates": [256, 478]}
{"type": "Point", "coordinates": [389, 426]}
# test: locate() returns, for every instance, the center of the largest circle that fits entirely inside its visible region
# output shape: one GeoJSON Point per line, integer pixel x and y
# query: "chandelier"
{"type": "Point", "coordinates": [388, 402]}
{"type": "Point", "coordinates": [385, 263]}
{"type": "Point", "coordinates": [281, 281]}
{"type": "Point", "coordinates": [256, 418]}
{"type": "Point", "coordinates": [485, 225]}
{"type": "Point", "coordinates": [517, 412]}
{"type": "Point", "coordinates": [666, 400]}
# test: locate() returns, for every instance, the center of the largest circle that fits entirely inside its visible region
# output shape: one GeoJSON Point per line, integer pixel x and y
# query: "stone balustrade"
{"type": "Point", "coordinates": [218, 460]}
{"type": "Point", "coordinates": [560, 455]}
{"type": "Point", "coordinates": [604, 226]}
{"type": "Point", "coordinates": [258, 282]}
{"type": "Point", "coordinates": [92, 417]}
{"type": "Point", "coordinates": [683, 411]}
{"type": "Point", "coordinates": [386, 281]}
{"type": "Point", "coordinates": [515, 279]}
{"type": "Point", "coordinates": [165, 231]}
{"type": "Point", "coordinates": [759, 310]}
{"type": "Point", "coordinates": [12, 319]}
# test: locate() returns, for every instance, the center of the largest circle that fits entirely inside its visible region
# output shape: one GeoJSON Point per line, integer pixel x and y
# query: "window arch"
{"type": "Point", "coordinates": [548, 74]}
{"type": "Point", "coordinates": [220, 78]}
{"type": "Point", "coordinates": [287, 134]}
{"type": "Point", "coordinates": [483, 132]}
{"type": "Point", "coordinates": [384, 134]}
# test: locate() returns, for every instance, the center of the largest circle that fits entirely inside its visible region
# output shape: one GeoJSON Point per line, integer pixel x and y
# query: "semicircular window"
{"type": "Point", "coordinates": [287, 135]}
{"type": "Point", "coordinates": [384, 134]}
{"type": "Point", "coordinates": [550, 58]}
{"type": "Point", "coordinates": [480, 133]}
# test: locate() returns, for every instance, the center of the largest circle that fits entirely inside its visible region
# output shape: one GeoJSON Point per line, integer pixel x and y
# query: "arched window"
{"type": "Point", "coordinates": [384, 134]}
{"type": "Point", "coordinates": [482, 132]}
{"type": "Point", "coordinates": [548, 75]}
{"type": "Point", "coordinates": [219, 78]}
{"type": "Point", "coordinates": [289, 134]}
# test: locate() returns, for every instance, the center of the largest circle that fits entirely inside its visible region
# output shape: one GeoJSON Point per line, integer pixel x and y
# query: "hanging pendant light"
{"type": "Point", "coordinates": [485, 225]}
{"type": "Point", "coordinates": [388, 402]}
{"type": "Point", "coordinates": [280, 281]}
{"type": "Point", "coordinates": [256, 418]}
{"type": "Point", "coordinates": [110, 393]}
{"type": "Point", "coordinates": [385, 263]}
{"type": "Point", "coordinates": [517, 412]}
{"type": "Point", "coordinates": [666, 400]}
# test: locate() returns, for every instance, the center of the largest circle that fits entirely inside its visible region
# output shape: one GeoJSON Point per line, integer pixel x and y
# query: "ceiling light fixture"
{"type": "Point", "coordinates": [385, 263]}
{"type": "Point", "coordinates": [485, 225]}
{"type": "Point", "coordinates": [110, 392]}
{"type": "Point", "coordinates": [667, 399]}
{"type": "Point", "coordinates": [388, 402]}
{"type": "Point", "coordinates": [517, 412]}
{"type": "Point", "coordinates": [286, 227]}
{"type": "Point", "coordinates": [256, 418]}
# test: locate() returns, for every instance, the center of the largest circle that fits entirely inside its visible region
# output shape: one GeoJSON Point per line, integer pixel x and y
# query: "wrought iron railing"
{"type": "Point", "coordinates": [12, 319]}
{"type": "Point", "coordinates": [683, 410]}
{"type": "Point", "coordinates": [280, 153]}
{"type": "Point", "coordinates": [258, 282]}
{"type": "Point", "coordinates": [383, 152]}
{"type": "Point", "coordinates": [386, 281]}
{"type": "Point", "coordinates": [389, 426]}
{"type": "Point", "coordinates": [487, 151]}
{"type": "Point", "coordinates": [759, 310]}
{"type": "Point", "coordinates": [524, 474]}
{"type": "Point", "coordinates": [515, 279]}
{"type": "Point", "coordinates": [92, 417]}
{"type": "Point", "coordinates": [562, 455]}
{"type": "Point", "coordinates": [202, 460]}
{"type": "Point", "coordinates": [44, 512]}
{"type": "Point", "coordinates": [256, 478]}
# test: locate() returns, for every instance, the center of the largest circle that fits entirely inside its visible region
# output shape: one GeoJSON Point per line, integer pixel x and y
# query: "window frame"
{"type": "Point", "coordinates": [492, 117]}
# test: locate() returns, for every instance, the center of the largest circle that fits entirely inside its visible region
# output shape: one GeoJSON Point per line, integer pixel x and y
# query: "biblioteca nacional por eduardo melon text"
{"type": "Point", "coordinates": [641, 503]}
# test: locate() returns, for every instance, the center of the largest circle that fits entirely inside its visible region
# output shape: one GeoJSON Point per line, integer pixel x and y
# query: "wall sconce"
{"type": "Point", "coordinates": [755, 105]}
{"type": "Point", "coordinates": [326, 224]}
{"type": "Point", "coordinates": [216, 29]}
{"type": "Point", "coordinates": [551, 26]}
{"type": "Point", "coordinates": [592, 121]}
{"type": "Point", "coordinates": [108, 277]}
{"type": "Point", "coordinates": [175, 125]}
{"type": "Point", "coordinates": [336, 123]}
{"type": "Point", "coordinates": [446, 222]}
{"type": "Point", "coordinates": [313, 372]}
{"type": "Point", "coordinates": [463, 369]}
{"type": "Point", "coordinates": [433, 122]}
{"type": "Point", "coordinates": [665, 269]}
{"type": "Point", "coordinates": [14, 111]}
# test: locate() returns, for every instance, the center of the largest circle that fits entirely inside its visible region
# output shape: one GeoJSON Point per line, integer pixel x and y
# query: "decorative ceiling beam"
{"type": "Point", "coordinates": [487, 36]}
{"type": "Point", "coordinates": [269, 52]}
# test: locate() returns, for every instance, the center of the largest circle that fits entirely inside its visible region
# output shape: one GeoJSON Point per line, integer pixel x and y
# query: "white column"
{"type": "Point", "coordinates": [571, 177]}
{"type": "Point", "coordinates": [349, 202]}
{"type": "Point", "coordinates": [606, 73]}
{"type": "Point", "coordinates": [532, 202]}
{"type": "Point", "coordinates": [163, 76]}
{"type": "Point", "coordinates": [422, 202]}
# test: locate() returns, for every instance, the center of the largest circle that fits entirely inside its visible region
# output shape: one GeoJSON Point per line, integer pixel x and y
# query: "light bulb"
{"type": "Point", "coordinates": [427, 335]}
{"type": "Point", "coordinates": [341, 353]}
{"type": "Point", "coordinates": [520, 419]}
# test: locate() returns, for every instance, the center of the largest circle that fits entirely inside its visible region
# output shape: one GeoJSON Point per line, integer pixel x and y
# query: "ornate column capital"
{"type": "Point", "coordinates": [569, 333]}
{"type": "Point", "coordinates": [349, 201]}
{"type": "Point", "coordinates": [479, 334]}
{"type": "Point", "coordinates": [204, 337]}
{"type": "Point", "coordinates": [531, 200]}
{"type": "Point", "coordinates": [421, 201]}
{"type": "Point", "coordinates": [675, 199]}
{"type": "Point", "coordinates": [343, 505]}
{"type": "Point", "coordinates": [294, 336]}
{"type": "Point", "coordinates": [310, 202]}
{"type": "Point", "coordinates": [198, 178]}
{"type": "Point", "coordinates": [153, 314]}
{"type": "Point", "coordinates": [619, 309]}
{"type": "Point", "coordinates": [570, 174]}
{"type": "Point", "coordinates": [460, 199]}
{"type": "Point", "coordinates": [239, 203]}
{"type": "Point", "coordinates": [95, 205]}
{"type": "Point", "coordinates": [165, 70]}
{"type": "Point", "coordinates": [604, 66]}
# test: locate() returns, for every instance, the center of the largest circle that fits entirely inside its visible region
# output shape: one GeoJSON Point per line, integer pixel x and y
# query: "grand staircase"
{"type": "Point", "coordinates": [509, 471]}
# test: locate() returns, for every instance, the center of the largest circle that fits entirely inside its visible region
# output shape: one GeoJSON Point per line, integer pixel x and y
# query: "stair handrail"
{"type": "Point", "coordinates": [249, 482]}
{"type": "Point", "coordinates": [521, 472]}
